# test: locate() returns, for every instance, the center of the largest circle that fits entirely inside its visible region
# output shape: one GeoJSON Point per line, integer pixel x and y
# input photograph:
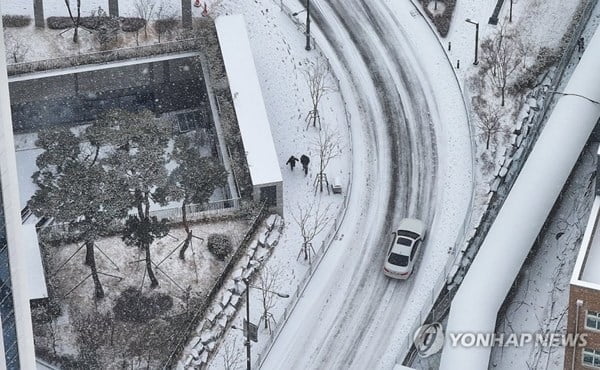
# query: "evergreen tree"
{"type": "Point", "coordinates": [194, 180]}
{"type": "Point", "coordinates": [138, 143]}
{"type": "Point", "coordinates": [75, 189]}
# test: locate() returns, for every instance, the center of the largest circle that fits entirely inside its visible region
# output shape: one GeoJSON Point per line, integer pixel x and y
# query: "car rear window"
{"type": "Point", "coordinates": [404, 241]}
{"type": "Point", "coordinates": [398, 259]}
{"type": "Point", "coordinates": [407, 233]}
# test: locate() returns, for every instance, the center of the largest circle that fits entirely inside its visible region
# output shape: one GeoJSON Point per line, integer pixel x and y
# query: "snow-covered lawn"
{"type": "Point", "coordinates": [186, 283]}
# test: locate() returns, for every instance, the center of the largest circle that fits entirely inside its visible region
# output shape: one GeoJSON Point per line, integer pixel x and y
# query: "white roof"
{"type": "Point", "coordinates": [248, 100]}
{"type": "Point", "coordinates": [35, 269]}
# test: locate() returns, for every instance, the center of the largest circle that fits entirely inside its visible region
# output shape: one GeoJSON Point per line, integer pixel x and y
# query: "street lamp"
{"type": "Point", "coordinates": [307, 23]}
{"type": "Point", "coordinates": [475, 62]}
{"type": "Point", "coordinates": [248, 286]}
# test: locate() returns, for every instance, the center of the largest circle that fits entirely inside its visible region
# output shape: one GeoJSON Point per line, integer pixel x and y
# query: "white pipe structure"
{"type": "Point", "coordinates": [509, 240]}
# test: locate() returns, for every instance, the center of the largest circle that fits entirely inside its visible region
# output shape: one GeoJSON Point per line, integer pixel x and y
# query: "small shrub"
{"type": "Point", "coordinates": [16, 20]}
{"type": "Point", "coordinates": [132, 306]}
{"type": "Point", "coordinates": [59, 23]}
{"type": "Point", "coordinates": [92, 22]}
{"type": "Point", "coordinates": [165, 25]}
{"type": "Point", "coordinates": [107, 31]}
{"type": "Point", "coordinates": [132, 24]}
{"type": "Point", "coordinates": [220, 246]}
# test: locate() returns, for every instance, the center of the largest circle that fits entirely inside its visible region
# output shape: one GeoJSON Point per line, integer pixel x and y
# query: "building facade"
{"type": "Point", "coordinates": [17, 349]}
{"type": "Point", "coordinates": [584, 298]}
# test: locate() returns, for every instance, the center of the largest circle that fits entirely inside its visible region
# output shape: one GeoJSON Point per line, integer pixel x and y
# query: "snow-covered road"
{"type": "Point", "coordinates": [414, 164]}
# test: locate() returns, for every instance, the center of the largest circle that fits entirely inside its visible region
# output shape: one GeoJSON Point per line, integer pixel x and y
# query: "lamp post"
{"type": "Point", "coordinates": [476, 61]}
{"type": "Point", "coordinates": [307, 25]}
{"type": "Point", "coordinates": [307, 33]}
{"type": "Point", "coordinates": [248, 286]}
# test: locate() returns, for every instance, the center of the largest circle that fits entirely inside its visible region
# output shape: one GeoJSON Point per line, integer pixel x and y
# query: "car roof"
{"type": "Point", "coordinates": [402, 249]}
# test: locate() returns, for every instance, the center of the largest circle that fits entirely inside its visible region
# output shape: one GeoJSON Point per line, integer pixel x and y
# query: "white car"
{"type": "Point", "coordinates": [403, 251]}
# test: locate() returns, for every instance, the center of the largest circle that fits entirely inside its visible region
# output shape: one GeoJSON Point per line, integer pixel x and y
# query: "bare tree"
{"type": "Point", "coordinates": [311, 220]}
{"type": "Point", "coordinates": [268, 281]}
{"type": "Point", "coordinates": [75, 19]}
{"type": "Point", "coordinates": [489, 121]}
{"type": "Point", "coordinates": [317, 77]}
{"type": "Point", "coordinates": [328, 147]}
{"type": "Point", "coordinates": [16, 49]}
{"type": "Point", "coordinates": [232, 357]}
{"type": "Point", "coordinates": [501, 56]}
{"type": "Point", "coordinates": [145, 10]}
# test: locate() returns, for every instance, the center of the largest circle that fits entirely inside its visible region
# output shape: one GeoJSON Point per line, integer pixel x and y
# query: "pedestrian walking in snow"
{"type": "Point", "coordinates": [305, 161]}
{"type": "Point", "coordinates": [292, 162]}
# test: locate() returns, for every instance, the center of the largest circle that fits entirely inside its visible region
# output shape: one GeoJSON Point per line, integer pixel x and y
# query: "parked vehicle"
{"type": "Point", "coordinates": [404, 248]}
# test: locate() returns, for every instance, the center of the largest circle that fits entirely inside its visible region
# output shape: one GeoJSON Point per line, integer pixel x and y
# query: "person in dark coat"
{"type": "Point", "coordinates": [292, 162]}
{"type": "Point", "coordinates": [305, 161]}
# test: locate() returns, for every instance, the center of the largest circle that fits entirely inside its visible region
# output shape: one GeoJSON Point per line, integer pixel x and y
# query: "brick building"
{"type": "Point", "coordinates": [584, 297]}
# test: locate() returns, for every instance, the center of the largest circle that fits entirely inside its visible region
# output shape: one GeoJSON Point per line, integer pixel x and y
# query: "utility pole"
{"type": "Point", "coordinates": [247, 328]}
{"type": "Point", "coordinates": [510, 12]}
{"type": "Point", "coordinates": [308, 25]}
{"type": "Point", "coordinates": [476, 61]}
{"type": "Point", "coordinates": [248, 355]}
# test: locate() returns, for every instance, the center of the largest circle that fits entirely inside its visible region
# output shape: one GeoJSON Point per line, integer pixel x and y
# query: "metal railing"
{"type": "Point", "coordinates": [195, 211]}
{"type": "Point", "coordinates": [173, 214]}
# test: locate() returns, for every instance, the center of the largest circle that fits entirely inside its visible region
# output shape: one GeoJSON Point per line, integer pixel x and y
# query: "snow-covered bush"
{"type": "Point", "coordinates": [132, 24]}
{"type": "Point", "coordinates": [133, 306]}
{"type": "Point", "coordinates": [59, 23]}
{"type": "Point", "coordinates": [16, 20]}
{"type": "Point", "coordinates": [219, 245]}
{"type": "Point", "coordinates": [165, 26]}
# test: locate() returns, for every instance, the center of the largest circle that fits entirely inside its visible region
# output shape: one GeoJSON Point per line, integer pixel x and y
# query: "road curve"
{"type": "Point", "coordinates": [349, 310]}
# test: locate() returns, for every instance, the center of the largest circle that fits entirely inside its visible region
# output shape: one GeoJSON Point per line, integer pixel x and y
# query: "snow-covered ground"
{"type": "Point", "coordinates": [539, 303]}
{"type": "Point", "coordinates": [377, 63]}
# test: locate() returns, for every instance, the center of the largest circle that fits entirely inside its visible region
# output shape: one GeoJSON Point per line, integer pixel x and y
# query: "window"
{"type": "Point", "coordinates": [414, 250]}
{"type": "Point", "coordinates": [398, 259]}
{"type": "Point", "coordinates": [591, 357]}
{"type": "Point", "coordinates": [592, 320]}
{"type": "Point", "coordinates": [393, 240]}
{"type": "Point", "coordinates": [404, 241]}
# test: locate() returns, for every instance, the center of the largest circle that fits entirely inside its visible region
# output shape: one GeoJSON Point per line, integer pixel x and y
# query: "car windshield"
{"type": "Point", "coordinates": [404, 241]}
{"type": "Point", "coordinates": [398, 259]}
{"type": "Point", "coordinates": [409, 234]}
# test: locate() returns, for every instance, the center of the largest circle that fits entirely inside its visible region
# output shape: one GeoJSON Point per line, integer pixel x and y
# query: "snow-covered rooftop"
{"type": "Point", "coordinates": [586, 272]}
{"type": "Point", "coordinates": [35, 269]}
{"type": "Point", "coordinates": [248, 100]}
